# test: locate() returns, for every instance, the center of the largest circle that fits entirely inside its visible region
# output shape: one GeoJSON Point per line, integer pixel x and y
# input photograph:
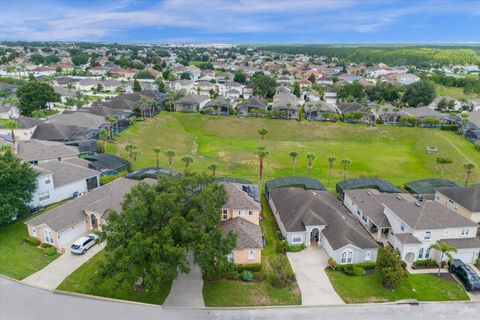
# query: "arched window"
{"type": "Point", "coordinates": [344, 257]}
{"type": "Point", "coordinates": [347, 256]}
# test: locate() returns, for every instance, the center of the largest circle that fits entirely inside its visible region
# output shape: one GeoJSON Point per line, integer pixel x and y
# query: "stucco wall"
{"type": "Point", "coordinates": [241, 256]}
{"type": "Point", "coordinates": [444, 200]}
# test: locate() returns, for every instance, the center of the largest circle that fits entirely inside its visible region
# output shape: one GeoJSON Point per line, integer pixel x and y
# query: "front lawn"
{"type": "Point", "coordinates": [81, 281]}
{"type": "Point", "coordinates": [368, 289]}
{"type": "Point", "coordinates": [18, 260]}
{"type": "Point", "coordinates": [230, 293]}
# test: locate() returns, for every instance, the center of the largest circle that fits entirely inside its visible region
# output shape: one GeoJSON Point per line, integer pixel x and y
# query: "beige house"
{"type": "Point", "coordinates": [241, 215]}
{"type": "Point", "coordinates": [465, 201]}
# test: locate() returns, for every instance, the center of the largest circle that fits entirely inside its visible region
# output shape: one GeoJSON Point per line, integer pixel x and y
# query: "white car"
{"type": "Point", "coordinates": [84, 243]}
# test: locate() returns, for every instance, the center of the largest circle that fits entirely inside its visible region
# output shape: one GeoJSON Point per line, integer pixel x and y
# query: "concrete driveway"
{"type": "Point", "coordinates": [187, 289]}
{"type": "Point", "coordinates": [309, 267]}
{"type": "Point", "coordinates": [53, 274]}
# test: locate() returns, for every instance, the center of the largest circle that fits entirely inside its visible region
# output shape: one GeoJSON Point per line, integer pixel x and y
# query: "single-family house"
{"type": "Point", "coordinates": [253, 107]}
{"type": "Point", "coordinates": [320, 111]}
{"type": "Point", "coordinates": [40, 151]}
{"type": "Point", "coordinates": [464, 200]}
{"type": "Point", "coordinates": [285, 106]}
{"type": "Point", "coordinates": [356, 112]}
{"type": "Point", "coordinates": [25, 128]}
{"type": "Point", "coordinates": [218, 106]}
{"type": "Point", "coordinates": [191, 103]}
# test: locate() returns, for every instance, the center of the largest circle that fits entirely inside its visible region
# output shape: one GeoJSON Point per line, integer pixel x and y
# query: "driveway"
{"type": "Point", "coordinates": [187, 288]}
{"type": "Point", "coordinates": [53, 274]}
{"type": "Point", "coordinates": [309, 267]}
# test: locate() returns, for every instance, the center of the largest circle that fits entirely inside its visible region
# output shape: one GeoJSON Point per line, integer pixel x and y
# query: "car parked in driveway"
{"type": "Point", "coordinates": [84, 243]}
{"type": "Point", "coordinates": [469, 278]}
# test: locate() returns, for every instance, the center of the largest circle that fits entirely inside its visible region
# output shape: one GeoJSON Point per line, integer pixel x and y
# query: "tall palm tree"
{"type": "Point", "coordinates": [170, 154]}
{"type": "Point", "coordinates": [111, 121]}
{"type": "Point", "coordinates": [157, 151]}
{"type": "Point", "coordinates": [469, 167]}
{"type": "Point", "coordinates": [104, 137]}
{"type": "Point", "coordinates": [171, 99]}
{"type": "Point", "coordinates": [345, 163]}
{"type": "Point", "coordinates": [141, 103]}
{"type": "Point", "coordinates": [263, 132]}
{"type": "Point", "coordinates": [442, 162]}
{"type": "Point", "coordinates": [293, 155]}
{"type": "Point", "coordinates": [187, 160]}
{"type": "Point", "coordinates": [445, 249]}
{"type": "Point", "coordinates": [261, 153]}
{"type": "Point", "coordinates": [310, 157]}
{"type": "Point", "coordinates": [135, 153]}
{"type": "Point", "coordinates": [331, 160]}
{"type": "Point", "coordinates": [213, 167]}
{"type": "Point", "coordinates": [151, 104]}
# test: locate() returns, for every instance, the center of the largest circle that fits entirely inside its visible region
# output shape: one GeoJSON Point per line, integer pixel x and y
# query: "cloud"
{"type": "Point", "coordinates": [220, 19]}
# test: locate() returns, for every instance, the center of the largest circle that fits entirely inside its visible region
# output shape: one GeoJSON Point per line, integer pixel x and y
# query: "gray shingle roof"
{"type": "Point", "coordinates": [428, 215]}
{"type": "Point", "coordinates": [42, 150]}
{"type": "Point", "coordinates": [79, 119]}
{"type": "Point", "coordinates": [66, 172]}
{"type": "Point", "coordinates": [407, 238]}
{"type": "Point", "coordinates": [109, 196]}
{"type": "Point", "coordinates": [464, 243]}
{"type": "Point", "coordinates": [249, 235]}
{"type": "Point", "coordinates": [469, 197]}
{"type": "Point", "coordinates": [298, 208]}
{"type": "Point", "coordinates": [371, 202]}
{"type": "Point", "coordinates": [239, 199]}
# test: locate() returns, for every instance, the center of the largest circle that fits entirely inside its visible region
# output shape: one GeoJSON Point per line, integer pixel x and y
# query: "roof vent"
{"type": "Point", "coordinates": [369, 192]}
{"type": "Point", "coordinates": [399, 197]}
{"type": "Point", "coordinates": [418, 204]}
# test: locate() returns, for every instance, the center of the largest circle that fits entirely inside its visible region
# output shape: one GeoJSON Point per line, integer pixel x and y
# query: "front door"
{"type": "Point", "coordinates": [314, 237]}
{"type": "Point", "coordinates": [94, 222]}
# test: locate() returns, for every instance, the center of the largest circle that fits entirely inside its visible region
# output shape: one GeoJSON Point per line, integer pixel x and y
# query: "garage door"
{"type": "Point", "coordinates": [72, 234]}
{"type": "Point", "coordinates": [465, 256]}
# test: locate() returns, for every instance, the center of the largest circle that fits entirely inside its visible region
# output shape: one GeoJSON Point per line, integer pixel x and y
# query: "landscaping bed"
{"type": "Point", "coordinates": [425, 264]}
{"type": "Point", "coordinates": [369, 288]}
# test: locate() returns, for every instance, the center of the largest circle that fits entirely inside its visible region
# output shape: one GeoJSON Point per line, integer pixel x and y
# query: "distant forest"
{"type": "Point", "coordinates": [420, 56]}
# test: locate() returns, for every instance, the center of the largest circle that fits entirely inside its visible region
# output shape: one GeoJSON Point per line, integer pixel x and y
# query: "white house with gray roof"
{"type": "Point", "coordinates": [414, 226]}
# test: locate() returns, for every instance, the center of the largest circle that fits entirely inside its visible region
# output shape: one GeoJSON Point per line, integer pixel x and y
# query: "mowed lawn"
{"type": "Point", "coordinates": [397, 154]}
{"type": "Point", "coordinates": [81, 281]}
{"type": "Point", "coordinates": [18, 259]}
{"type": "Point", "coordinates": [368, 289]}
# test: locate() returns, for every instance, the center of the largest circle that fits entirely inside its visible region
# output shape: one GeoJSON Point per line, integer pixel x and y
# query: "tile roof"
{"type": "Point", "coordinates": [238, 199]}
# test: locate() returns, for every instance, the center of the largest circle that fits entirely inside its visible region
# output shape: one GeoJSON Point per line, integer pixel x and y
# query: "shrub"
{"type": "Point", "coordinates": [246, 276]}
{"type": "Point", "coordinates": [332, 263]}
{"type": "Point", "coordinates": [46, 245]}
{"type": "Point", "coordinates": [259, 276]}
{"type": "Point", "coordinates": [50, 251]}
{"type": "Point", "coordinates": [282, 247]}
{"type": "Point", "coordinates": [478, 262]}
{"type": "Point", "coordinates": [254, 267]}
{"type": "Point", "coordinates": [296, 248]}
{"type": "Point", "coordinates": [353, 270]}
{"type": "Point", "coordinates": [32, 241]}
{"type": "Point", "coordinates": [425, 263]}
{"type": "Point", "coordinates": [363, 265]}
{"type": "Point", "coordinates": [280, 274]}
{"type": "Point", "coordinates": [449, 127]}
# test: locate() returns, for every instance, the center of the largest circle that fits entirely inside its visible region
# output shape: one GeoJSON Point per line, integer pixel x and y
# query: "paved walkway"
{"type": "Point", "coordinates": [187, 288]}
{"type": "Point", "coordinates": [53, 274]}
{"type": "Point", "coordinates": [309, 267]}
{"type": "Point", "coordinates": [431, 270]}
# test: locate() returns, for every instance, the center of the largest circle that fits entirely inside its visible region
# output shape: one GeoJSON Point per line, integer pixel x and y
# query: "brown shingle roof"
{"type": "Point", "coordinates": [249, 235]}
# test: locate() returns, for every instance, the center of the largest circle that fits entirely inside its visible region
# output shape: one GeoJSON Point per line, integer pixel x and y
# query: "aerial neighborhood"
{"type": "Point", "coordinates": [261, 175]}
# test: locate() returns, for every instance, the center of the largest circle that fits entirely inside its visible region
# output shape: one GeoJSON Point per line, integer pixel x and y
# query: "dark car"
{"type": "Point", "coordinates": [470, 279]}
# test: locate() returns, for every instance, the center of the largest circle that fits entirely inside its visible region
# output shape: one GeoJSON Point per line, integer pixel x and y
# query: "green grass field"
{"type": "Point", "coordinates": [81, 281]}
{"type": "Point", "coordinates": [397, 154]}
{"type": "Point", "coordinates": [454, 92]}
{"type": "Point", "coordinates": [18, 260]}
{"type": "Point", "coordinates": [368, 289]}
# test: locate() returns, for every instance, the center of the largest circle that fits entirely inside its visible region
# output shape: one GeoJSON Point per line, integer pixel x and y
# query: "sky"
{"type": "Point", "coordinates": [242, 21]}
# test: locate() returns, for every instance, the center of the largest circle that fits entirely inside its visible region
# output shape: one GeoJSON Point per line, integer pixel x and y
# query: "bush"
{"type": "Point", "coordinates": [363, 265]}
{"type": "Point", "coordinates": [246, 276]}
{"type": "Point", "coordinates": [32, 241]}
{"type": "Point", "coordinates": [425, 263]}
{"type": "Point", "coordinates": [50, 251]}
{"type": "Point", "coordinates": [282, 246]}
{"type": "Point", "coordinates": [449, 127]}
{"type": "Point", "coordinates": [280, 276]}
{"type": "Point", "coordinates": [332, 263]}
{"type": "Point", "coordinates": [259, 276]}
{"type": "Point", "coordinates": [254, 267]}
{"type": "Point", "coordinates": [295, 248]}
{"type": "Point", "coordinates": [46, 245]}
{"type": "Point", "coordinates": [353, 270]}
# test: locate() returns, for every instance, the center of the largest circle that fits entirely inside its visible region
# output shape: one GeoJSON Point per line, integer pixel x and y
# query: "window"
{"type": "Point", "coordinates": [251, 255]}
{"type": "Point", "coordinates": [402, 227]}
{"type": "Point", "coordinates": [359, 212]}
{"type": "Point", "coordinates": [48, 236]}
{"type": "Point", "coordinates": [296, 239]}
{"type": "Point", "coordinates": [367, 256]}
{"type": "Point", "coordinates": [427, 254]}
{"type": "Point", "coordinates": [230, 257]}
{"type": "Point", "coordinates": [364, 217]}
{"type": "Point", "coordinates": [43, 196]}
{"type": "Point", "coordinates": [420, 254]}
{"type": "Point", "coordinates": [225, 214]}
{"type": "Point", "coordinates": [347, 256]}
{"type": "Point", "coordinates": [465, 232]}
{"type": "Point", "coordinates": [242, 212]}
{"type": "Point", "coordinates": [47, 181]}
{"type": "Point", "coordinates": [428, 235]}
{"type": "Point", "coordinates": [344, 257]}
{"type": "Point", "coordinates": [250, 213]}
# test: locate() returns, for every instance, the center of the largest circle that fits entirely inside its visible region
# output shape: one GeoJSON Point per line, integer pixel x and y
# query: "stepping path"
{"type": "Point", "coordinates": [309, 268]}
{"type": "Point", "coordinates": [187, 288]}
{"type": "Point", "coordinates": [53, 274]}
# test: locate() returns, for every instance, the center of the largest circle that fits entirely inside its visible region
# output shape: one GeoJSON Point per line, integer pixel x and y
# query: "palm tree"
{"type": "Point", "coordinates": [141, 103]}
{"type": "Point", "coordinates": [345, 163]}
{"type": "Point", "coordinates": [263, 132]}
{"type": "Point", "coordinates": [310, 157]}
{"type": "Point", "coordinates": [129, 148]}
{"type": "Point", "coordinates": [135, 153]}
{"type": "Point", "coordinates": [469, 167]}
{"type": "Point", "coordinates": [293, 155]}
{"type": "Point", "coordinates": [331, 160]}
{"type": "Point", "coordinates": [111, 121]}
{"type": "Point", "coordinates": [12, 124]}
{"type": "Point", "coordinates": [261, 153]}
{"type": "Point", "coordinates": [157, 151]}
{"type": "Point", "coordinates": [104, 137]}
{"type": "Point", "coordinates": [170, 154]}
{"type": "Point", "coordinates": [171, 98]}
{"type": "Point", "coordinates": [213, 167]}
{"type": "Point", "coordinates": [396, 110]}
{"type": "Point", "coordinates": [442, 162]}
{"type": "Point", "coordinates": [187, 160]}
{"type": "Point", "coordinates": [445, 249]}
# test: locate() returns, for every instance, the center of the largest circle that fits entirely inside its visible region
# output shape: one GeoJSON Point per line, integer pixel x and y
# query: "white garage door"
{"type": "Point", "coordinates": [465, 256]}
{"type": "Point", "coordinates": [72, 234]}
